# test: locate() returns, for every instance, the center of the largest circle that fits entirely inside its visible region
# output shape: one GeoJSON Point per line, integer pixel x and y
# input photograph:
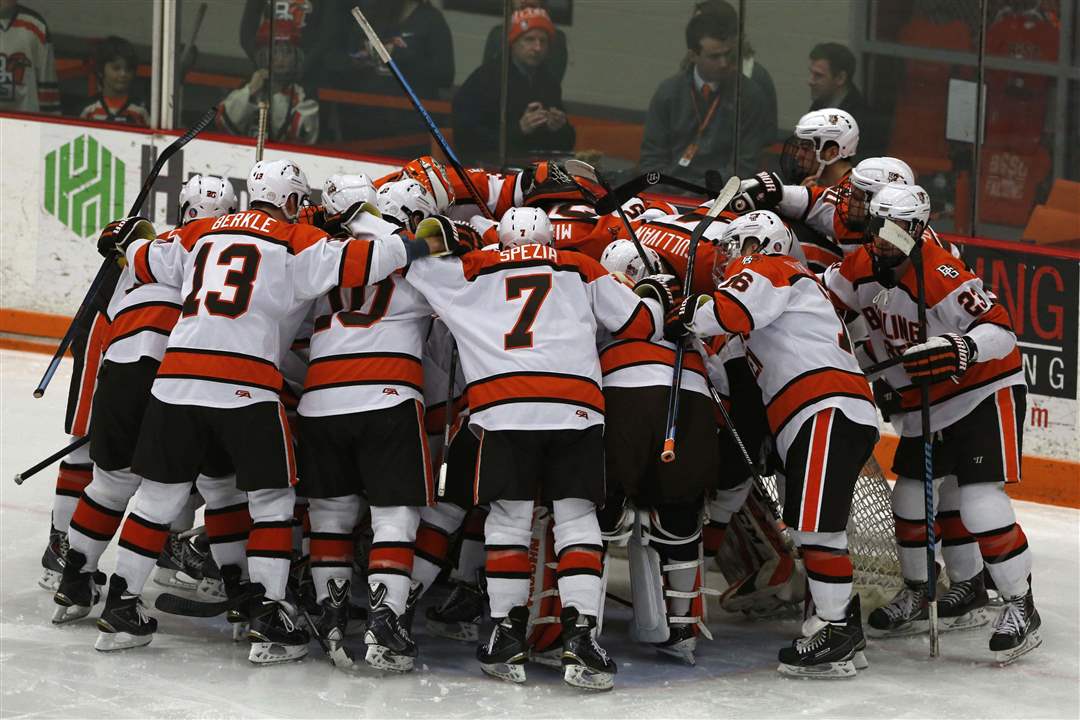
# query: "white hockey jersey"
{"type": "Point", "coordinates": [367, 343]}
{"type": "Point", "coordinates": [27, 65]}
{"type": "Point", "coordinates": [956, 302]}
{"type": "Point", "coordinates": [248, 281]}
{"type": "Point", "coordinates": [525, 320]}
{"type": "Point", "coordinates": [795, 343]}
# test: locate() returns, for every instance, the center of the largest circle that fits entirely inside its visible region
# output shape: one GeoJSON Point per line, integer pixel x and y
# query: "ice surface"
{"type": "Point", "coordinates": [192, 669]}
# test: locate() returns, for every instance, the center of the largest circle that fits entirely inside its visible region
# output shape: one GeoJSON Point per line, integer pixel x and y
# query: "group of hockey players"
{"type": "Point", "coordinates": [400, 384]}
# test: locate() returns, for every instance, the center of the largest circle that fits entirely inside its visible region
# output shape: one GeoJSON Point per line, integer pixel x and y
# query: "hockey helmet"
{"type": "Point", "coordinates": [205, 196]}
{"type": "Point", "coordinates": [621, 256]}
{"type": "Point", "coordinates": [431, 173]}
{"type": "Point", "coordinates": [406, 203]}
{"type": "Point", "coordinates": [524, 226]}
{"type": "Point", "coordinates": [340, 192]}
{"type": "Point", "coordinates": [760, 231]}
{"type": "Point", "coordinates": [275, 181]}
{"type": "Point", "coordinates": [802, 158]}
{"type": "Point", "coordinates": [906, 205]}
{"type": "Point", "coordinates": [866, 178]}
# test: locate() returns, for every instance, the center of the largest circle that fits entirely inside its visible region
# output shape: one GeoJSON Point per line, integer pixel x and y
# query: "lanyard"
{"type": "Point", "coordinates": [692, 148]}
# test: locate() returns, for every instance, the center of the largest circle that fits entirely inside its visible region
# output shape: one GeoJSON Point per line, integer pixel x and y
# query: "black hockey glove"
{"type": "Point", "coordinates": [661, 287]}
{"type": "Point", "coordinates": [764, 191]}
{"type": "Point", "coordinates": [939, 358]}
{"type": "Point", "coordinates": [886, 398]}
{"type": "Point", "coordinates": [117, 235]}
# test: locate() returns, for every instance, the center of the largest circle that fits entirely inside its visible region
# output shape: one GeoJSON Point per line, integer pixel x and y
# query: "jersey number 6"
{"type": "Point", "coordinates": [538, 287]}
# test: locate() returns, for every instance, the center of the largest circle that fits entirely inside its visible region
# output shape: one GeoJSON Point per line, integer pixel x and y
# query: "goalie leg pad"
{"type": "Point", "coordinates": [332, 546]}
{"type": "Point", "coordinates": [391, 558]}
{"type": "Point", "coordinates": [508, 532]}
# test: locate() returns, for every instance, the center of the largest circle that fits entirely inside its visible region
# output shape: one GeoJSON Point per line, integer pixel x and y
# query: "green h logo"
{"type": "Point", "coordinates": [84, 185]}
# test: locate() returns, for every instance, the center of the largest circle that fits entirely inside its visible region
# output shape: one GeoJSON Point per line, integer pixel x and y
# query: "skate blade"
{"type": "Point", "coordinates": [112, 641]}
{"type": "Point", "coordinates": [580, 676]}
{"type": "Point", "coordinates": [824, 671]}
{"type": "Point", "coordinates": [383, 658]}
{"type": "Point", "coordinates": [1008, 657]}
{"type": "Point", "coordinates": [511, 672]}
{"type": "Point", "coordinates": [269, 653]}
{"type": "Point", "coordinates": [967, 621]}
{"type": "Point", "coordinates": [548, 658]}
{"type": "Point", "coordinates": [175, 579]}
{"type": "Point", "coordinates": [49, 580]}
{"type": "Point", "coordinates": [66, 613]}
{"type": "Point", "coordinates": [915, 627]}
{"type": "Point", "coordinates": [683, 651]}
{"type": "Point", "coordinates": [463, 631]}
{"type": "Point", "coordinates": [239, 631]}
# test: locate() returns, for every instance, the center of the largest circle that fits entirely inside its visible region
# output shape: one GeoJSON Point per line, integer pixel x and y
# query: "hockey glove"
{"type": "Point", "coordinates": [681, 321]}
{"type": "Point", "coordinates": [661, 287]}
{"type": "Point", "coordinates": [353, 220]}
{"type": "Point", "coordinates": [764, 191]}
{"type": "Point", "coordinates": [940, 357]}
{"type": "Point", "coordinates": [117, 235]}
{"type": "Point", "coordinates": [443, 236]}
{"type": "Point", "coordinates": [886, 398]}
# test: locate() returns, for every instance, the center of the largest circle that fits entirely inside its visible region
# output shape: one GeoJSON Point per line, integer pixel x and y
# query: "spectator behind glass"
{"type": "Point", "coordinates": [750, 66]}
{"type": "Point", "coordinates": [535, 116]}
{"type": "Point", "coordinates": [28, 73]}
{"type": "Point", "coordinates": [832, 84]}
{"type": "Point", "coordinates": [317, 22]}
{"type": "Point", "coordinates": [689, 126]}
{"type": "Point", "coordinates": [293, 117]}
{"type": "Point", "coordinates": [555, 64]}
{"type": "Point", "coordinates": [417, 37]}
{"type": "Point", "coordinates": [115, 65]}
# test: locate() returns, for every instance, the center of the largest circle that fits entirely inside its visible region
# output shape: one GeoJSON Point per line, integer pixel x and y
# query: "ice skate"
{"type": "Point", "coordinates": [757, 596]}
{"type": "Point", "coordinates": [827, 649]}
{"type": "Point", "coordinates": [274, 634]}
{"type": "Point", "coordinates": [906, 614]}
{"type": "Point", "coordinates": [585, 663]}
{"type": "Point", "coordinates": [52, 561]}
{"type": "Point", "coordinates": [243, 595]}
{"type": "Point", "coordinates": [210, 587]}
{"type": "Point", "coordinates": [389, 645]}
{"type": "Point", "coordinates": [1016, 633]}
{"type": "Point", "coordinates": [331, 624]}
{"type": "Point", "coordinates": [459, 615]}
{"type": "Point", "coordinates": [123, 623]}
{"type": "Point", "coordinates": [180, 565]}
{"type": "Point", "coordinates": [964, 606]}
{"type": "Point", "coordinates": [78, 592]}
{"type": "Point", "coordinates": [681, 643]}
{"type": "Point", "coordinates": [505, 653]}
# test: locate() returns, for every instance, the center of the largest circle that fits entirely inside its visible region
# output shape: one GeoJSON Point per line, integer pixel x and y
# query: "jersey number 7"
{"type": "Point", "coordinates": [537, 287]}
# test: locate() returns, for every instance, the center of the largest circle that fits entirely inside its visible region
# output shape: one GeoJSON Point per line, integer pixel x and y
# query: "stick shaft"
{"type": "Point", "coordinates": [20, 478]}
{"type": "Point", "coordinates": [449, 417]}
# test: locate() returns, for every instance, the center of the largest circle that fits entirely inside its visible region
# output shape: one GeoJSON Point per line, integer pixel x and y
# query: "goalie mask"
{"type": "Point", "coordinates": [865, 179]}
{"type": "Point", "coordinates": [431, 173]}
{"type": "Point", "coordinates": [205, 196]}
{"type": "Point", "coordinates": [524, 226]}
{"type": "Point", "coordinates": [906, 205]}
{"type": "Point", "coordinates": [817, 131]}
{"type": "Point", "coordinates": [405, 203]}
{"type": "Point", "coordinates": [547, 182]}
{"type": "Point", "coordinates": [340, 192]}
{"type": "Point", "coordinates": [280, 53]}
{"type": "Point", "coordinates": [622, 256]}
{"type": "Point", "coordinates": [275, 182]}
{"type": "Point", "coordinates": [758, 232]}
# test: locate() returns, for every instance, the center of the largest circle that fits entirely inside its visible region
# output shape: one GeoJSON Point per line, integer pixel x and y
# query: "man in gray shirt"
{"type": "Point", "coordinates": [690, 124]}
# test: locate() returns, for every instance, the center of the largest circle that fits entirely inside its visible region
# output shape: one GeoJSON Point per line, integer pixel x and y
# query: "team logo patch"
{"type": "Point", "coordinates": [652, 178]}
{"type": "Point", "coordinates": [582, 414]}
{"type": "Point", "coordinates": [389, 391]}
{"type": "Point", "coordinates": [243, 394]}
{"type": "Point", "coordinates": [948, 271]}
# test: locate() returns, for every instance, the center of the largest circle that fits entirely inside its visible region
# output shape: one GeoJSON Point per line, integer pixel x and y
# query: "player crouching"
{"type": "Point", "coordinates": [820, 409]}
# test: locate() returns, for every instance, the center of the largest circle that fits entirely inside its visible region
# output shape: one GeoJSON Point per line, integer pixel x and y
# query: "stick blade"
{"type": "Point", "coordinates": [580, 168]}
{"type": "Point", "coordinates": [727, 194]}
{"type": "Point", "coordinates": [896, 236]}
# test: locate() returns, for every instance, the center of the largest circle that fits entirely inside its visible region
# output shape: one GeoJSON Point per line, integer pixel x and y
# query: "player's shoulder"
{"type": "Point", "coordinates": [34, 20]}
{"type": "Point", "coordinates": [189, 233]}
{"type": "Point", "coordinates": [588, 266]}
{"type": "Point", "coordinates": [944, 273]}
{"type": "Point", "coordinates": [780, 270]}
{"type": "Point", "coordinates": [856, 266]}
{"type": "Point", "coordinates": [298, 236]}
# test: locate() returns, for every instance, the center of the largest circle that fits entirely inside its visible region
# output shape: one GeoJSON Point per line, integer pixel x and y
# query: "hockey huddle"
{"type": "Point", "coordinates": [431, 373]}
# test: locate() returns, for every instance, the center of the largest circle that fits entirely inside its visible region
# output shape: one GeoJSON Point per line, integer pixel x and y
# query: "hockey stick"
{"type": "Point", "coordinates": [187, 607]}
{"type": "Point", "coordinates": [380, 50]}
{"type": "Point", "coordinates": [109, 269]}
{"type": "Point", "coordinates": [731, 189]}
{"type": "Point", "coordinates": [449, 417]}
{"type": "Point", "coordinates": [630, 188]}
{"type": "Point", "coordinates": [898, 238]}
{"type": "Point", "coordinates": [882, 366]}
{"type": "Point", "coordinates": [35, 469]}
{"type": "Point", "coordinates": [583, 169]}
{"type": "Point", "coordinates": [187, 58]}
{"type": "Point", "coordinates": [260, 137]}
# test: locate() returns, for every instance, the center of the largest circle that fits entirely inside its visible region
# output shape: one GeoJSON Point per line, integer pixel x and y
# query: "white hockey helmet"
{"type": "Point", "coordinates": [205, 196]}
{"type": "Point", "coordinates": [621, 256]}
{"type": "Point", "coordinates": [431, 173]}
{"type": "Point", "coordinates": [866, 178]}
{"type": "Point", "coordinates": [760, 231]}
{"type": "Point", "coordinates": [340, 192]}
{"type": "Point", "coordinates": [906, 205]}
{"type": "Point", "coordinates": [406, 203]}
{"type": "Point", "coordinates": [524, 226]}
{"type": "Point", "coordinates": [275, 181]}
{"type": "Point", "coordinates": [813, 133]}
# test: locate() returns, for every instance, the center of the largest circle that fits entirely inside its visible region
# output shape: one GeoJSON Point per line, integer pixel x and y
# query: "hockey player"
{"type": "Point", "coordinates": [248, 279]}
{"type": "Point", "coordinates": [27, 64]}
{"type": "Point", "coordinates": [637, 382]}
{"type": "Point", "coordinates": [977, 396]}
{"type": "Point", "coordinates": [338, 195]}
{"type": "Point", "coordinates": [362, 432]}
{"type": "Point", "coordinates": [525, 319]}
{"type": "Point", "coordinates": [821, 412]}
{"type": "Point", "coordinates": [405, 203]}
{"type": "Point", "coordinates": [430, 173]}
{"type": "Point", "coordinates": [822, 149]}
{"type": "Point", "coordinates": [141, 316]}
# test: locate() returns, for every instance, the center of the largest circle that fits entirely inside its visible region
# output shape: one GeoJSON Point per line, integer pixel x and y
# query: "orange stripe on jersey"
{"type": "Point", "coordinates": [32, 27]}
{"type": "Point", "coordinates": [96, 521]}
{"type": "Point", "coordinates": [1010, 448]}
{"type": "Point", "coordinates": [534, 387]}
{"type": "Point", "coordinates": [73, 479]}
{"type": "Point", "coordinates": [640, 325]}
{"type": "Point", "coordinates": [507, 562]}
{"type": "Point", "coordinates": [817, 255]}
{"type": "Point", "coordinates": [981, 373]}
{"type": "Point", "coordinates": [425, 452]}
{"type": "Point", "coordinates": [270, 539]}
{"type": "Point", "coordinates": [364, 369]}
{"type": "Point", "coordinates": [394, 558]}
{"type": "Point", "coordinates": [811, 387]}
{"type": "Point", "coordinates": [287, 441]}
{"type": "Point", "coordinates": [355, 263]}
{"type": "Point", "coordinates": [160, 317]}
{"type": "Point", "coordinates": [142, 264]}
{"type": "Point", "coordinates": [631, 353]}
{"type": "Point", "coordinates": [95, 348]}
{"type": "Point", "coordinates": [220, 367]}
{"type": "Point", "coordinates": [817, 458]}
{"type": "Point", "coordinates": [143, 537]}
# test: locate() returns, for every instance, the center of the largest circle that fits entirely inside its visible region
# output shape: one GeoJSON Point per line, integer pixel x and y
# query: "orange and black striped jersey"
{"type": "Point", "coordinates": [956, 302]}
{"type": "Point", "coordinates": [122, 111]}
{"type": "Point", "coordinates": [794, 342]}
{"type": "Point", "coordinates": [27, 64]}
{"type": "Point", "coordinates": [526, 320]}
{"type": "Point", "coordinates": [670, 235]}
{"type": "Point", "coordinates": [247, 283]}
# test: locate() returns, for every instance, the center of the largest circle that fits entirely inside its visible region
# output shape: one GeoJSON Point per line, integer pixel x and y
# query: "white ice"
{"type": "Point", "coordinates": [192, 669]}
